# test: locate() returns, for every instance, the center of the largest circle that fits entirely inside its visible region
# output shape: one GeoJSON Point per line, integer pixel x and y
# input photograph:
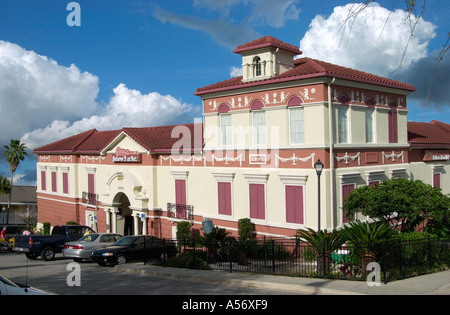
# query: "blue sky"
{"type": "Point", "coordinates": [138, 63]}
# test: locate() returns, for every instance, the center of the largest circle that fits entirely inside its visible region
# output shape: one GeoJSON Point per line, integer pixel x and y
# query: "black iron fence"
{"type": "Point", "coordinates": [388, 260]}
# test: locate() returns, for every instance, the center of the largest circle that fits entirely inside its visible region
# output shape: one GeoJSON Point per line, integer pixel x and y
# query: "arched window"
{"type": "Point", "coordinates": [295, 101]}
{"type": "Point", "coordinates": [257, 66]}
{"type": "Point", "coordinates": [256, 105]}
{"type": "Point", "coordinates": [224, 108]}
{"type": "Point", "coordinates": [344, 99]}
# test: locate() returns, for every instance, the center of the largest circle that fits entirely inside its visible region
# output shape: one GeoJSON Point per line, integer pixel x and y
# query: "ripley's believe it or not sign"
{"type": "Point", "coordinates": [126, 156]}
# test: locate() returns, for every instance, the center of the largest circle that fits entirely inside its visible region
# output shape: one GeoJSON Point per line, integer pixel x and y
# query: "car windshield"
{"type": "Point", "coordinates": [126, 241]}
{"type": "Point", "coordinates": [7, 281]}
{"type": "Point", "coordinates": [89, 238]}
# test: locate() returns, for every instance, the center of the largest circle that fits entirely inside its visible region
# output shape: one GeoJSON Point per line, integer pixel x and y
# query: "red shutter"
{"type": "Point", "coordinates": [224, 198]}
{"type": "Point", "coordinates": [393, 126]}
{"type": "Point", "coordinates": [437, 180]}
{"type": "Point", "coordinates": [91, 184]}
{"type": "Point", "coordinates": [294, 204]}
{"type": "Point", "coordinates": [43, 181]}
{"type": "Point", "coordinates": [346, 189]}
{"type": "Point", "coordinates": [257, 201]}
{"type": "Point", "coordinates": [180, 191]}
{"type": "Point", "coordinates": [54, 184]}
{"type": "Point", "coordinates": [65, 183]}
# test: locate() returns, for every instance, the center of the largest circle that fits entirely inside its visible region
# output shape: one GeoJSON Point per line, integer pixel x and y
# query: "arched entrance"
{"type": "Point", "coordinates": [125, 222]}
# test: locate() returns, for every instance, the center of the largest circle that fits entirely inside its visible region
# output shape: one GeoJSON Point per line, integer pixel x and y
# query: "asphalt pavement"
{"type": "Point", "coordinates": [431, 284]}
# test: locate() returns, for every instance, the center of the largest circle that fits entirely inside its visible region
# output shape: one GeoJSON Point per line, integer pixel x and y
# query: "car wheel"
{"type": "Point", "coordinates": [48, 254]}
{"type": "Point", "coordinates": [121, 259]}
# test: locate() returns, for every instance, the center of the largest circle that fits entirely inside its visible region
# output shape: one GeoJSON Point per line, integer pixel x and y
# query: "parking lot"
{"type": "Point", "coordinates": [55, 276]}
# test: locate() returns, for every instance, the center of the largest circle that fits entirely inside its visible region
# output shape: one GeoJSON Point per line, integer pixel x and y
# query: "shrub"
{"type": "Point", "coordinates": [183, 231]}
{"type": "Point", "coordinates": [46, 228]}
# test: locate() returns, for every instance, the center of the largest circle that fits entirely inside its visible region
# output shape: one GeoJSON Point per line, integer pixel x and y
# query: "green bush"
{"type": "Point", "coordinates": [46, 228]}
{"type": "Point", "coordinates": [183, 231]}
{"type": "Point", "coordinates": [187, 260]}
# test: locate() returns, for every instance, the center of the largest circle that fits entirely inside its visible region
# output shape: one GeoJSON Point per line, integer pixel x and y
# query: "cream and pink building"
{"type": "Point", "coordinates": [252, 156]}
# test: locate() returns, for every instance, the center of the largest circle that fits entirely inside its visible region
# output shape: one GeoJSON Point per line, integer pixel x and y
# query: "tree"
{"type": "Point", "coordinates": [399, 202]}
{"type": "Point", "coordinates": [14, 153]}
{"type": "Point", "coordinates": [5, 188]}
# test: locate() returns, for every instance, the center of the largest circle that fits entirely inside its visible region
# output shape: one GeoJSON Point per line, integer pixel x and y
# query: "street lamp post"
{"type": "Point", "coordinates": [318, 166]}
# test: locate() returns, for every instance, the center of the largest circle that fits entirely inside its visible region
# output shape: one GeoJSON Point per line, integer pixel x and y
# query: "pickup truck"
{"type": "Point", "coordinates": [47, 246]}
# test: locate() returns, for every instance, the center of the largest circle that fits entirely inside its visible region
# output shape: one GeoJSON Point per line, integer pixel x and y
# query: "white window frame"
{"type": "Point", "coordinates": [259, 132]}
{"type": "Point", "coordinates": [343, 132]}
{"type": "Point", "coordinates": [293, 125]}
{"type": "Point", "coordinates": [226, 132]}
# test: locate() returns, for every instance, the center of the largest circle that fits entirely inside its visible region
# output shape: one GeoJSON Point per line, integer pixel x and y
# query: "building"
{"type": "Point", "coordinates": [23, 208]}
{"type": "Point", "coordinates": [252, 157]}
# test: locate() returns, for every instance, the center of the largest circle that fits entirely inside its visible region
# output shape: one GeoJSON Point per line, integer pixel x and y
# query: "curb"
{"type": "Point", "coordinates": [218, 277]}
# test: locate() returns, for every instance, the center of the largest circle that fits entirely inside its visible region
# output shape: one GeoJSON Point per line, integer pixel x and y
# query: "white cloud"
{"type": "Point", "coordinates": [367, 42]}
{"type": "Point", "coordinates": [224, 33]}
{"type": "Point", "coordinates": [35, 90]}
{"type": "Point", "coordinates": [235, 72]}
{"type": "Point", "coordinates": [262, 12]}
{"type": "Point", "coordinates": [42, 101]}
{"type": "Point", "coordinates": [126, 108]}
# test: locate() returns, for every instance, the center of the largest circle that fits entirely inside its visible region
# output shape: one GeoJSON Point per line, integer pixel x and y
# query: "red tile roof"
{"type": "Point", "coordinates": [435, 133]}
{"type": "Point", "coordinates": [153, 139]}
{"type": "Point", "coordinates": [267, 41]}
{"type": "Point", "coordinates": [305, 68]}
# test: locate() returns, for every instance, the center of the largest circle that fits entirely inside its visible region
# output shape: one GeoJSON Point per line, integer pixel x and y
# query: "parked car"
{"type": "Point", "coordinates": [134, 248]}
{"type": "Point", "coordinates": [47, 245]}
{"type": "Point", "coordinates": [82, 249]}
{"type": "Point", "coordinates": [8, 287]}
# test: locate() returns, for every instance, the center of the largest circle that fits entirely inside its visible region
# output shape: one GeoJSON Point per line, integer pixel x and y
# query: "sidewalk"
{"type": "Point", "coordinates": [433, 284]}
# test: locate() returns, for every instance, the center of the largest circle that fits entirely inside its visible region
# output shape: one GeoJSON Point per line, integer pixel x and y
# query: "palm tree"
{"type": "Point", "coordinates": [5, 188]}
{"type": "Point", "coordinates": [324, 243]}
{"type": "Point", "coordinates": [14, 153]}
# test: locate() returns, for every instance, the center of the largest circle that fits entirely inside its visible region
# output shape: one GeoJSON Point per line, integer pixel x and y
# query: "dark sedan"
{"type": "Point", "coordinates": [134, 248]}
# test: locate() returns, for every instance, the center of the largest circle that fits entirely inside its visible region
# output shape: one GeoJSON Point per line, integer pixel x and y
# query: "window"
{"type": "Point", "coordinates": [296, 125]}
{"type": "Point", "coordinates": [342, 125]}
{"type": "Point", "coordinates": [224, 189]}
{"type": "Point", "coordinates": [180, 191]}
{"type": "Point", "coordinates": [43, 180]}
{"type": "Point", "coordinates": [437, 180]}
{"type": "Point", "coordinates": [259, 128]}
{"type": "Point", "coordinates": [369, 125]}
{"type": "Point", "coordinates": [294, 204]}
{"type": "Point", "coordinates": [374, 183]}
{"type": "Point", "coordinates": [65, 183]}
{"type": "Point", "coordinates": [346, 189]}
{"type": "Point", "coordinates": [91, 184]}
{"type": "Point", "coordinates": [54, 183]}
{"type": "Point", "coordinates": [392, 124]}
{"type": "Point", "coordinates": [257, 201]}
{"type": "Point", "coordinates": [225, 129]}
{"type": "Point", "coordinates": [257, 65]}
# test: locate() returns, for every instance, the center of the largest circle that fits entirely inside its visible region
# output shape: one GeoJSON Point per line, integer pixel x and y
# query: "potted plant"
{"type": "Point", "coordinates": [324, 243]}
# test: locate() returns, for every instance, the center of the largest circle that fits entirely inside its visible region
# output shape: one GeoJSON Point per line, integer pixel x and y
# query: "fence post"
{"type": "Point", "coordinates": [400, 265]}
{"type": "Point", "coordinates": [383, 259]}
{"type": "Point", "coordinates": [273, 256]}
{"type": "Point", "coordinates": [230, 249]}
{"type": "Point", "coordinates": [430, 254]}
{"type": "Point", "coordinates": [195, 262]}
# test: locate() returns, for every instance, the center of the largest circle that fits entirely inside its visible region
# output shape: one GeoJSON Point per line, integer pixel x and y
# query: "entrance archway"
{"type": "Point", "coordinates": [125, 222]}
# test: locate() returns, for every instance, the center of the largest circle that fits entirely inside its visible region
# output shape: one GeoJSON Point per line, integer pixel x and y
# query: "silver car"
{"type": "Point", "coordinates": [82, 249]}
